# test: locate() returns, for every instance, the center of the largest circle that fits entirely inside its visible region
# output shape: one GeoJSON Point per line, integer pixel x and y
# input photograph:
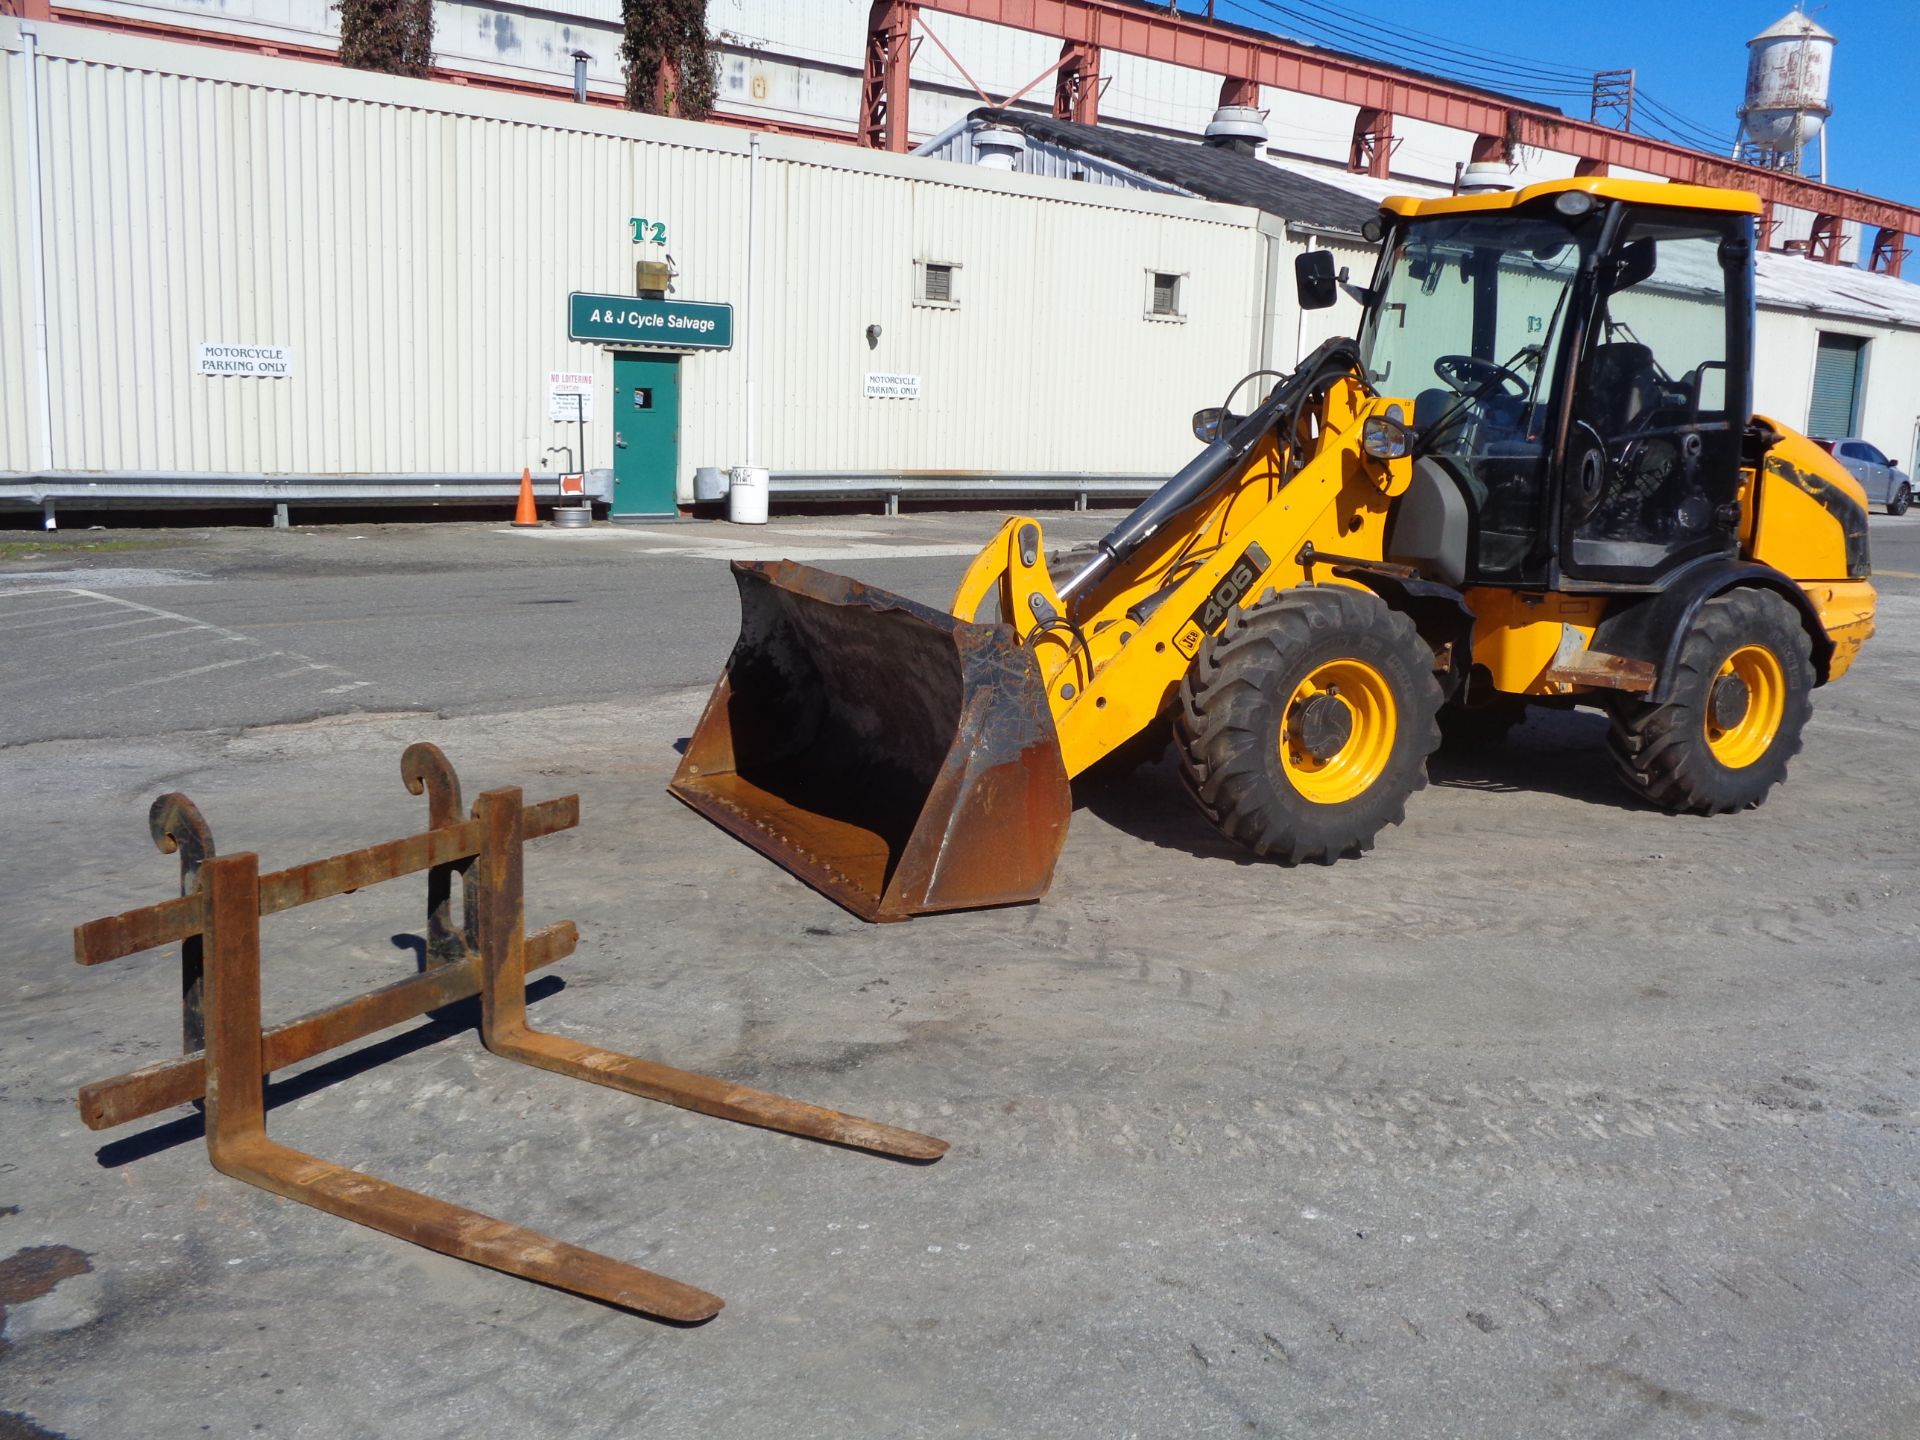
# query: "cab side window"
{"type": "Point", "coordinates": [1654, 456]}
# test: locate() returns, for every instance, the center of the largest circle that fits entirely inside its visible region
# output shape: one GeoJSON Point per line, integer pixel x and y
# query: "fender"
{"type": "Point", "coordinates": [1437, 610]}
{"type": "Point", "coordinates": [1655, 628]}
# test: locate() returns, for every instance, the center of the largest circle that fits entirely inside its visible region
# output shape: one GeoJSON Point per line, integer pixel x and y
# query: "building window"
{"type": "Point", "coordinates": [934, 283]}
{"type": "Point", "coordinates": [1163, 295]}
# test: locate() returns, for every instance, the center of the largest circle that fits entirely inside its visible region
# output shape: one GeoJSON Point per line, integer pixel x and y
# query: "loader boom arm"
{"type": "Point", "coordinates": [1112, 655]}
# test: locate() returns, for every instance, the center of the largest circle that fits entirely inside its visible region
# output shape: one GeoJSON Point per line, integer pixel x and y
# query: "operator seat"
{"type": "Point", "coordinates": [1622, 386]}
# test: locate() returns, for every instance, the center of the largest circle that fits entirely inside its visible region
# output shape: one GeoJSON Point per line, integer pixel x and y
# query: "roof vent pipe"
{"type": "Point", "coordinates": [998, 147]}
{"type": "Point", "coordinates": [1483, 177]}
{"type": "Point", "coordinates": [1239, 128]}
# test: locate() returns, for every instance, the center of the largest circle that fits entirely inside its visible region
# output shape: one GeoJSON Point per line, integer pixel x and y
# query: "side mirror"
{"type": "Point", "coordinates": [1210, 424]}
{"type": "Point", "coordinates": [1635, 263]}
{"type": "Point", "coordinates": [1316, 278]}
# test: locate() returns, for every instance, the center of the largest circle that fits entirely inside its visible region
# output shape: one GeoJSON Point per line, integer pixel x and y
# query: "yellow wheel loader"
{"type": "Point", "coordinates": [1534, 477]}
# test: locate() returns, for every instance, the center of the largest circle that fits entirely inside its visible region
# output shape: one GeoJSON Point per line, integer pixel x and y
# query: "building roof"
{"type": "Point", "coordinates": [1793, 282]}
{"type": "Point", "coordinates": [1207, 171]}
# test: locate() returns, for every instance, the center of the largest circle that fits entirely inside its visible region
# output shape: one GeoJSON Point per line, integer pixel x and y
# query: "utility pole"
{"type": "Point", "coordinates": [1613, 98]}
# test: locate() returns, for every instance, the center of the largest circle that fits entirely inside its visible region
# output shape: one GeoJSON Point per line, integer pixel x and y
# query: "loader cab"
{"type": "Point", "coordinates": [1577, 367]}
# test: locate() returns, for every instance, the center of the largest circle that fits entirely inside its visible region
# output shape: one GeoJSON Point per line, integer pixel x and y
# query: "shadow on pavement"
{"type": "Point", "coordinates": [1555, 752]}
{"type": "Point", "coordinates": [442, 1024]}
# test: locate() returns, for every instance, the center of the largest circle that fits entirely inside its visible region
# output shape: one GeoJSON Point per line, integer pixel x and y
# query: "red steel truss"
{"type": "Point", "coordinates": [1246, 58]}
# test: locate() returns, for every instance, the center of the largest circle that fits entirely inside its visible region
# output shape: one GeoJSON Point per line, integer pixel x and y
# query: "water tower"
{"type": "Point", "coordinates": [1788, 67]}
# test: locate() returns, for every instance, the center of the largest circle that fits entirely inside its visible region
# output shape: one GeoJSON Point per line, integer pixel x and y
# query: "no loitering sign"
{"type": "Point", "coordinates": [267, 362]}
{"type": "Point", "coordinates": [570, 395]}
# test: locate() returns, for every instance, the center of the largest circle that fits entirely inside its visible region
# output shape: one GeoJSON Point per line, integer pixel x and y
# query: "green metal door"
{"type": "Point", "coordinates": [1836, 386]}
{"type": "Point", "coordinates": [646, 433]}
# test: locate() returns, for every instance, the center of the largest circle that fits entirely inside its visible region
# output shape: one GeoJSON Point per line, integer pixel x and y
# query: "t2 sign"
{"type": "Point", "coordinates": [648, 232]}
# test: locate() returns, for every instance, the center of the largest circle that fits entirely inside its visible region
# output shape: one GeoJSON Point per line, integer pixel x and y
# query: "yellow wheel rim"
{"type": "Point", "coordinates": [1344, 694]}
{"type": "Point", "coordinates": [1737, 741]}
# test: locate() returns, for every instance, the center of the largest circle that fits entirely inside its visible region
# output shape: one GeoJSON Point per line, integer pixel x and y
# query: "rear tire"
{"type": "Point", "coordinates": [1741, 698]}
{"type": "Point", "coordinates": [1902, 498]}
{"type": "Point", "coordinates": [1306, 723]}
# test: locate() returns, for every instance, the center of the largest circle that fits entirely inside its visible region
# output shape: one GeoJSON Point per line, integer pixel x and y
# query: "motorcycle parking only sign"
{"type": "Point", "coordinates": [268, 362]}
{"type": "Point", "coordinates": [893, 387]}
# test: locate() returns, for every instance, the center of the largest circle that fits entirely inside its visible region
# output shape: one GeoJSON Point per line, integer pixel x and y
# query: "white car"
{"type": "Point", "coordinates": [1885, 482]}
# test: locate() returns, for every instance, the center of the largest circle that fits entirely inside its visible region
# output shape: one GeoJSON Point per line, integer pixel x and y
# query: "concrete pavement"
{"type": "Point", "coordinates": [1552, 1116]}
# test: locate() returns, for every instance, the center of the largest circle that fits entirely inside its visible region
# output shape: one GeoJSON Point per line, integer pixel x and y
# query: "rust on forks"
{"type": "Point", "coordinates": [216, 921]}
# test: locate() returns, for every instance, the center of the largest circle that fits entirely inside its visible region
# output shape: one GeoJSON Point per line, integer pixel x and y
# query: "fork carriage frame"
{"type": "Point", "coordinates": [216, 920]}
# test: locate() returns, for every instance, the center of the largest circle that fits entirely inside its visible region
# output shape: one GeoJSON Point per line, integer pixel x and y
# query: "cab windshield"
{"type": "Point", "coordinates": [1470, 315]}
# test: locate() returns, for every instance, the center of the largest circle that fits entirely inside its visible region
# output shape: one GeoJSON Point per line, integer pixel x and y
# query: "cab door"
{"type": "Point", "coordinates": [1661, 400]}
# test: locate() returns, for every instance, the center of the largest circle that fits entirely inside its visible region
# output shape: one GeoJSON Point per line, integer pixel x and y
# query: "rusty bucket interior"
{"type": "Point", "coordinates": [895, 758]}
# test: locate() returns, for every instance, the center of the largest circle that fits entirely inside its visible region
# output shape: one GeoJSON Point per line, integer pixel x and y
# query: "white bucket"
{"type": "Point", "coordinates": [709, 485]}
{"type": "Point", "coordinates": [747, 499]}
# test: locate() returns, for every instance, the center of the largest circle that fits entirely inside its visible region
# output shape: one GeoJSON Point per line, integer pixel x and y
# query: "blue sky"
{"type": "Point", "coordinates": [1690, 54]}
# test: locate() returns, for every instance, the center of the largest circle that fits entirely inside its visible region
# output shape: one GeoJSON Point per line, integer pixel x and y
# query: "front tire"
{"type": "Point", "coordinates": [1741, 698]}
{"type": "Point", "coordinates": [1902, 498]}
{"type": "Point", "coordinates": [1306, 723]}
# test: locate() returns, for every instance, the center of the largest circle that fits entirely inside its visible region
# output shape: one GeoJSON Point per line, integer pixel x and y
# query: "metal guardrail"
{"type": "Point", "coordinates": [892, 486]}
{"type": "Point", "coordinates": [164, 490]}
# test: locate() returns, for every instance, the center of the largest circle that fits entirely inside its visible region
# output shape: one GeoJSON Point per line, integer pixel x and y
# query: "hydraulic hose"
{"type": "Point", "coordinates": [1220, 460]}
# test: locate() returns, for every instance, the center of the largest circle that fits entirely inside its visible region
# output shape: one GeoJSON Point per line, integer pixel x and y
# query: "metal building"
{"type": "Point", "coordinates": [221, 273]}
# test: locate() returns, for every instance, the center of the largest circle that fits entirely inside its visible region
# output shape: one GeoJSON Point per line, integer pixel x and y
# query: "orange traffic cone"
{"type": "Point", "coordinates": [524, 514]}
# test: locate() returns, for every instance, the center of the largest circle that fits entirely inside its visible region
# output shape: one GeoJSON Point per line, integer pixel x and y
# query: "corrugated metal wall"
{"type": "Point", "coordinates": [19, 418]}
{"type": "Point", "coordinates": [416, 263]}
{"type": "Point", "coordinates": [1048, 361]}
{"type": "Point", "coordinates": [414, 245]}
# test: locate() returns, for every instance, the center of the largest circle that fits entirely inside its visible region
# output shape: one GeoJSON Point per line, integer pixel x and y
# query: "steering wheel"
{"type": "Point", "coordinates": [1470, 376]}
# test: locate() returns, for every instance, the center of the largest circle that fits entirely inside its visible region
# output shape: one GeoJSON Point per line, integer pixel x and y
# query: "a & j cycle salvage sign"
{"type": "Point", "coordinates": [660, 324]}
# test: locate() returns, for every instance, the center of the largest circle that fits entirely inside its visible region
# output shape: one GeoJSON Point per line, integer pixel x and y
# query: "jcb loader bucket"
{"type": "Point", "coordinates": [898, 760]}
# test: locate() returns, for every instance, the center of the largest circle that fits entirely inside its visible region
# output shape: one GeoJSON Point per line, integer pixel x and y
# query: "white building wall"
{"type": "Point", "coordinates": [413, 245]}
{"type": "Point", "coordinates": [20, 439]}
{"type": "Point", "coordinates": [1890, 390]}
{"type": "Point", "coordinates": [1048, 361]}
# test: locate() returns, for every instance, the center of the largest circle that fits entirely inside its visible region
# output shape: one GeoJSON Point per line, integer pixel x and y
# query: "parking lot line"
{"type": "Point", "coordinates": [185, 631]}
{"type": "Point", "coordinates": [185, 674]}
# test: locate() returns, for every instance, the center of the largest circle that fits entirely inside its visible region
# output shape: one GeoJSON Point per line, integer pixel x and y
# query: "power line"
{"type": "Point", "coordinates": [1487, 73]}
{"type": "Point", "coordinates": [1476, 67]}
{"type": "Point", "coordinates": [1502, 58]}
{"type": "Point", "coordinates": [1495, 69]}
{"type": "Point", "coordinates": [1700, 134]}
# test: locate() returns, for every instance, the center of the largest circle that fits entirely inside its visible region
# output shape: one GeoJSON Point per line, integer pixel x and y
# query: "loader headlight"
{"type": "Point", "coordinates": [1385, 438]}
